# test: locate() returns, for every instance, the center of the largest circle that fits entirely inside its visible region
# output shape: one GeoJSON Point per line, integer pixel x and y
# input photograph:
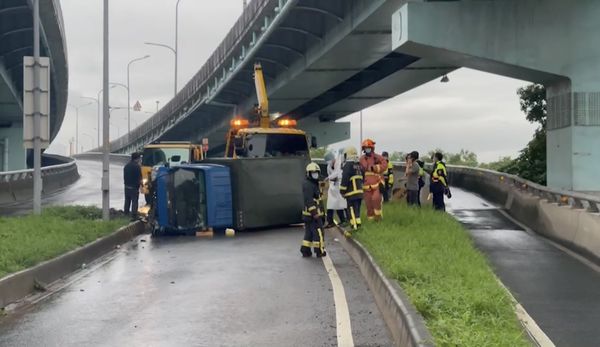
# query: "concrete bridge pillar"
{"type": "Point", "coordinates": [552, 42]}
{"type": "Point", "coordinates": [12, 153]}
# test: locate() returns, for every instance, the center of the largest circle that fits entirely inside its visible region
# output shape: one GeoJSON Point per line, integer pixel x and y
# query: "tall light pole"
{"type": "Point", "coordinates": [361, 128]}
{"type": "Point", "coordinates": [176, 41]}
{"type": "Point", "coordinates": [129, 92]}
{"type": "Point", "coordinates": [105, 122]}
{"type": "Point", "coordinates": [97, 100]}
{"type": "Point", "coordinates": [77, 124]}
{"type": "Point", "coordinates": [175, 53]}
{"type": "Point", "coordinates": [37, 101]}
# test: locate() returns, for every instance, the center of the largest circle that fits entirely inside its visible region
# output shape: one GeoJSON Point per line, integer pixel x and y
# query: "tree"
{"type": "Point", "coordinates": [498, 165]}
{"type": "Point", "coordinates": [531, 162]}
{"type": "Point", "coordinates": [464, 157]}
{"type": "Point", "coordinates": [318, 153]}
{"type": "Point", "coordinates": [397, 156]}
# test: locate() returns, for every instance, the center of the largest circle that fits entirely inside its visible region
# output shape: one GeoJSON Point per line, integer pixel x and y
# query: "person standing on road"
{"type": "Point", "coordinates": [132, 177]}
{"type": "Point", "coordinates": [335, 202]}
{"type": "Point", "coordinates": [412, 180]}
{"type": "Point", "coordinates": [373, 166]}
{"type": "Point", "coordinates": [388, 179]}
{"type": "Point", "coordinates": [312, 214]}
{"type": "Point", "coordinates": [352, 185]}
{"type": "Point", "coordinates": [439, 182]}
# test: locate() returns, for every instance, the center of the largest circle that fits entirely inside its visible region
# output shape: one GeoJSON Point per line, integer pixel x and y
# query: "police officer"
{"type": "Point", "coordinates": [439, 182]}
{"type": "Point", "coordinates": [352, 185]}
{"type": "Point", "coordinates": [312, 214]}
{"type": "Point", "coordinates": [388, 178]}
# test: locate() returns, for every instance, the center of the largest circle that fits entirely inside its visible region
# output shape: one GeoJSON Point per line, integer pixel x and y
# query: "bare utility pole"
{"type": "Point", "coordinates": [105, 123]}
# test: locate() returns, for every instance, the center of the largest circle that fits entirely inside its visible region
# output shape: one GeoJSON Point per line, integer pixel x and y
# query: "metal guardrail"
{"type": "Point", "coordinates": [16, 186]}
{"type": "Point", "coordinates": [209, 71]}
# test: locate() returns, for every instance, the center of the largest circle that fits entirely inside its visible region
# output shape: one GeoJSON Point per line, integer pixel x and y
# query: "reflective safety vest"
{"type": "Point", "coordinates": [439, 173]}
{"type": "Point", "coordinates": [352, 181]}
{"type": "Point", "coordinates": [388, 175]}
{"type": "Point", "coordinates": [312, 199]}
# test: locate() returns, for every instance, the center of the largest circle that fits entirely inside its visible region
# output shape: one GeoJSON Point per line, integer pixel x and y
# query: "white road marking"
{"type": "Point", "coordinates": [342, 313]}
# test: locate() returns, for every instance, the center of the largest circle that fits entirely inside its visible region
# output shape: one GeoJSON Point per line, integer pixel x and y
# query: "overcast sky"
{"type": "Point", "coordinates": [475, 111]}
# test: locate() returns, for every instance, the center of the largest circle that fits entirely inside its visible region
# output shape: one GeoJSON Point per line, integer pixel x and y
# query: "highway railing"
{"type": "Point", "coordinates": [97, 156]}
{"type": "Point", "coordinates": [17, 186]}
{"type": "Point", "coordinates": [210, 71]}
{"type": "Point", "coordinates": [576, 200]}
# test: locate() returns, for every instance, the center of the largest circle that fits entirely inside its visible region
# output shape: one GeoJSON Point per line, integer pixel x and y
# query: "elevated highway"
{"type": "Point", "coordinates": [16, 41]}
{"type": "Point", "coordinates": [323, 60]}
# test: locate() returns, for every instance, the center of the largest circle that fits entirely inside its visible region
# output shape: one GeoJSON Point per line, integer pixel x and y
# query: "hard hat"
{"type": "Point", "coordinates": [350, 152]}
{"type": "Point", "coordinates": [329, 156]}
{"type": "Point", "coordinates": [368, 143]}
{"type": "Point", "coordinates": [313, 167]}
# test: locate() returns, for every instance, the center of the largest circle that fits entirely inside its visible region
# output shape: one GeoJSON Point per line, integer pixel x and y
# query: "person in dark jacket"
{"type": "Point", "coordinates": [352, 185]}
{"type": "Point", "coordinates": [312, 214]}
{"type": "Point", "coordinates": [132, 178]}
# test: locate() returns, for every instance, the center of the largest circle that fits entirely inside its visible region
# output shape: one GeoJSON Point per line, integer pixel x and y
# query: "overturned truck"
{"type": "Point", "coordinates": [225, 193]}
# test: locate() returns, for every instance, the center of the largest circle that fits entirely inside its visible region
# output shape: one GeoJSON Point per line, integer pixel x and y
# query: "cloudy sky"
{"type": "Point", "coordinates": [475, 111]}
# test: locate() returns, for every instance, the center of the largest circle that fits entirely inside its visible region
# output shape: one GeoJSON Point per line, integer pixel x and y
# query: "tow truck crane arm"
{"type": "Point", "coordinates": [261, 96]}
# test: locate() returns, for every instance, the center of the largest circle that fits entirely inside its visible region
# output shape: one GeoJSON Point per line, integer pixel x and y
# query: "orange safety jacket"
{"type": "Point", "coordinates": [373, 167]}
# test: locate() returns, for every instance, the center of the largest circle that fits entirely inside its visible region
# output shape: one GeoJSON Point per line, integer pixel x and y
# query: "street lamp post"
{"type": "Point", "coordinates": [175, 53]}
{"type": "Point", "coordinates": [97, 100]}
{"type": "Point", "coordinates": [77, 124]}
{"type": "Point", "coordinates": [176, 41]}
{"type": "Point", "coordinates": [105, 121]}
{"type": "Point", "coordinates": [129, 94]}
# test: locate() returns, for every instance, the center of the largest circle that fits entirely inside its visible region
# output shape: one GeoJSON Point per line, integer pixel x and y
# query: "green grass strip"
{"type": "Point", "coordinates": [449, 282]}
{"type": "Point", "coordinates": [29, 240]}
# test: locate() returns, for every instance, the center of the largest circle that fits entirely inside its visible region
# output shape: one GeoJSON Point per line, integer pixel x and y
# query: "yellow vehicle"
{"type": "Point", "coordinates": [171, 152]}
{"type": "Point", "coordinates": [277, 138]}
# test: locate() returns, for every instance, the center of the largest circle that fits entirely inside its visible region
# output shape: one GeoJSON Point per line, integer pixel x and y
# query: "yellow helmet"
{"type": "Point", "coordinates": [313, 167]}
{"type": "Point", "coordinates": [350, 153]}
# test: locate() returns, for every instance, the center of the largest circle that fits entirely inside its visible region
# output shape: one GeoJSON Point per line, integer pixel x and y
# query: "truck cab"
{"type": "Point", "coordinates": [266, 142]}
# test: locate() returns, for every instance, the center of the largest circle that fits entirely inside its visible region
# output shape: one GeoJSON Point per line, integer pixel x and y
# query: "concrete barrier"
{"type": "Point", "coordinates": [569, 218]}
{"type": "Point", "coordinates": [17, 286]}
{"type": "Point", "coordinates": [97, 156]}
{"type": "Point", "coordinates": [405, 324]}
{"type": "Point", "coordinates": [17, 186]}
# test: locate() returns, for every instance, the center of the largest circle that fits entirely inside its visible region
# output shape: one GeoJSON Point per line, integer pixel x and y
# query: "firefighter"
{"type": "Point", "coordinates": [439, 182]}
{"type": "Point", "coordinates": [388, 179]}
{"type": "Point", "coordinates": [352, 185]}
{"type": "Point", "coordinates": [312, 214]}
{"type": "Point", "coordinates": [373, 166]}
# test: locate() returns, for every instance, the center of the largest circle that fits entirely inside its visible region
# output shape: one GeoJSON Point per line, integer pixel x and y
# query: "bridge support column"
{"type": "Point", "coordinates": [12, 153]}
{"type": "Point", "coordinates": [552, 42]}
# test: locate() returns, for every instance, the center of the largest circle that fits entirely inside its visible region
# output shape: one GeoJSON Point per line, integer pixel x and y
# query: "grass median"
{"type": "Point", "coordinates": [29, 240]}
{"type": "Point", "coordinates": [449, 282]}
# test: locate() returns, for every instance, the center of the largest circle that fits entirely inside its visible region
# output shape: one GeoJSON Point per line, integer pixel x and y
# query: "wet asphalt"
{"type": "Point", "coordinates": [559, 292]}
{"type": "Point", "coordinates": [250, 290]}
{"type": "Point", "coordinates": [254, 289]}
{"type": "Point", "coordinates": [85, 191]}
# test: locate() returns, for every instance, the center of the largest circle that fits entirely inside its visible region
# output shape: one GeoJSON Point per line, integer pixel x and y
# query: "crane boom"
{"type": "Point", "coordinates": [261, 95]}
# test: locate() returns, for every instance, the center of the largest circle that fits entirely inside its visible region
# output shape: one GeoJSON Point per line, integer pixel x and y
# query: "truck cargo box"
{"type": "Point", "coordinates": [266, 191]}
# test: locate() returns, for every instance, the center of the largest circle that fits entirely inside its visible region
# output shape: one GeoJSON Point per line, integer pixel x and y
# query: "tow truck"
{"type": "Point", "coordinates": [167, 152]}
{"type": "Point", "coordinates": [266, 138]}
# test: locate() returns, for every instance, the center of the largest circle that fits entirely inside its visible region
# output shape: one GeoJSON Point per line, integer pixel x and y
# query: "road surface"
{"type": "Point", "coordinates": [561, 293]}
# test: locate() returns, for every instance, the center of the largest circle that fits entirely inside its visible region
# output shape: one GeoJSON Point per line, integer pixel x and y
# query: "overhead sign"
{"type": "Point", "coordinates": [28, 112]}
{"type": "Point", "coordinates": [137, 107]}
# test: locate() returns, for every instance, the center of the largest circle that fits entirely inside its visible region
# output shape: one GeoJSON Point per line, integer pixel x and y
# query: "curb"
{"type": "Point", "coordinates": [16, 286]}
{"type": "Point", "coordinates": [405, 324]}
